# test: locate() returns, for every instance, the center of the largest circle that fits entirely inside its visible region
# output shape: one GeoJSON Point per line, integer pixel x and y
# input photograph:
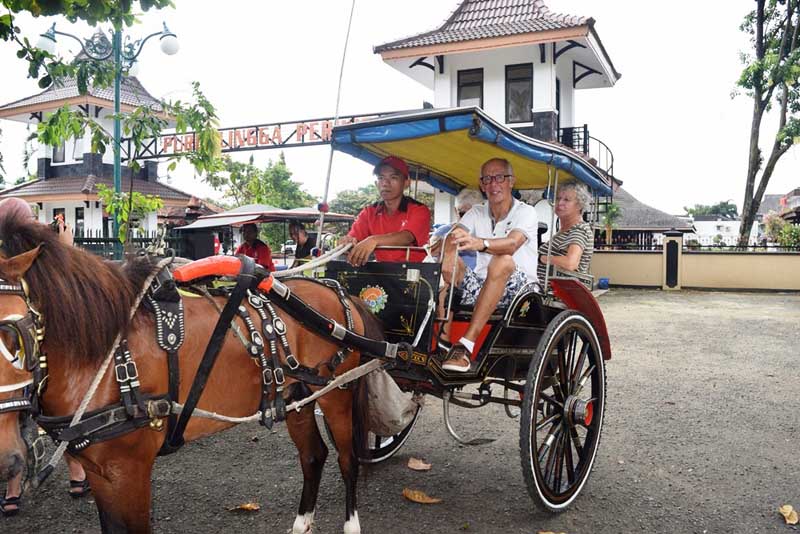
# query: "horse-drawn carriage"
{"type": "Point", "coordinates": [545, 352]}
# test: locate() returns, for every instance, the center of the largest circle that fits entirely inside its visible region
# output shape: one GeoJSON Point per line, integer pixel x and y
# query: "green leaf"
{"type": "Point", "coordinates": [45, 82]}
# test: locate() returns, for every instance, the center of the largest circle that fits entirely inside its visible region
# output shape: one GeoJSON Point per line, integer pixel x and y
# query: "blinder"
{"type": "Point", "coordinates": [18, 342]}
{"type": "Point", "coordinates": [19, 345]}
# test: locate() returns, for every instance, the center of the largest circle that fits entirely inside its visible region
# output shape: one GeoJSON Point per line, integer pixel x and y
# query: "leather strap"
{"type": "Point", "coordinates": [244, 281]}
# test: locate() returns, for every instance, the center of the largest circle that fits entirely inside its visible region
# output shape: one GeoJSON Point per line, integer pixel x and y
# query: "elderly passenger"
{"type": "Point", "coordinates": [464, 201]}
{"type": "Point", "coordinates": [573, 244]}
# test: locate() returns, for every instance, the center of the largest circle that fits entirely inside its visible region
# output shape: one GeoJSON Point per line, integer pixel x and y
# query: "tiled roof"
{"type": "Point", "coordinates": [770, 203]}
{"type": "Point", "coordinates": [481, 19]}
{"type": "Point", "coordinates": [71, 185]}
{"type": "Point", "coordinates": [639, 216]}
{"type": "Point", "coordinates": [131, 93]}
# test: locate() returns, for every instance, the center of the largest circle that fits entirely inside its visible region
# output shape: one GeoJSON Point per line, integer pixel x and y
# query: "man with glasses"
{"type": "Point", "coordinates": [395, 220]}
{"type": "Point", "coordinates": [503, 232]}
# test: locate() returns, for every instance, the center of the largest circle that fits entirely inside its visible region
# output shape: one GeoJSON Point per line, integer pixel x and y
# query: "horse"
{"type": "Point", "coordinates": [85, 303]}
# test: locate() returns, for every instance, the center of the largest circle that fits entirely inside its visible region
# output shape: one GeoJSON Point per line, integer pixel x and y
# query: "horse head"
{"type": "Point", "coordinates": [19, 347]}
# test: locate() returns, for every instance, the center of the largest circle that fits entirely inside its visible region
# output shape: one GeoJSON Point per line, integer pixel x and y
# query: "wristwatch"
{"type": "Point", "coordinates": [485, 245]}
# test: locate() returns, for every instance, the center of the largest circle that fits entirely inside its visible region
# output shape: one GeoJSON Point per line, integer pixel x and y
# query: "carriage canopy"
{"type": "Point", "coordinates": [447, 147]}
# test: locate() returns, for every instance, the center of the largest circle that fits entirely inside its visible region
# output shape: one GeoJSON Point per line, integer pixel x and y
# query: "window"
{"type": "Point", "coordinates": [519, 93]}
{"type": "Point", "coordinates": [58, 153]}
{"type": "Point", "coordinates": [79, 225]}
{"type": "Point", "coordinates": [470, 87]}
{"type": "Point", "coordinates": [77, 149]}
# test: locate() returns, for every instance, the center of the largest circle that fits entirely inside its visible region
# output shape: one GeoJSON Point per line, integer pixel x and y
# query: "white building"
{"type": "Point", "coordinates": [520, 62]}
{"type": "Point", "coordinates": [67, 176]}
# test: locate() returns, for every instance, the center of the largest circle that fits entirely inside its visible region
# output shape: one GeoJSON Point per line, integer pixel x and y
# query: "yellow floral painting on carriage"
{"type": "Point", "coordinates": [374, 297]}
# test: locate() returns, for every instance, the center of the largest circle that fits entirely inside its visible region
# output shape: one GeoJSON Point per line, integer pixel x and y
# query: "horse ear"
{"type": "Point", "coordinates": [16, 267]}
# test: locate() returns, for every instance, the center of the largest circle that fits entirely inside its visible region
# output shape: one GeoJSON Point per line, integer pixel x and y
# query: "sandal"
{"type": "Point", "coordinates": [457, 360]}
{"type": "Point", "coordinates": [79, 488]}
{"type": "Point", "coordinates": [10, 501]}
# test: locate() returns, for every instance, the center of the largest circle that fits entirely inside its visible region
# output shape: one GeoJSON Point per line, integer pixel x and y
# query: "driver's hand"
{"type": "Point", "coordinates": [359, 254]}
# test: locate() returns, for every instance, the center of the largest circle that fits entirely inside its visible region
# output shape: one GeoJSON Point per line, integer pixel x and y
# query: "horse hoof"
{"type": "Point", "coordinates": [303, 523]}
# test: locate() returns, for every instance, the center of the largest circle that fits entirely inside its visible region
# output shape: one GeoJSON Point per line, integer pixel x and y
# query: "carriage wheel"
{"type": "Point", "coordinates": [562, 411]}
{"type": "Point", "coordinates": [384, 447]}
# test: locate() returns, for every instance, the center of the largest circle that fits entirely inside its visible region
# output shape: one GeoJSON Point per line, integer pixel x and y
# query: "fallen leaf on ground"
{"type": "Point", "coordinates": [419, 496]}
{"type": "Point", "coordinates": [789, 514]}
{"type": "Point", "coordinates": [246, 507]}
{"type": "Point", "coordinates": [549, 532]}
{"type": "Point", "coordinates": [418, 465]}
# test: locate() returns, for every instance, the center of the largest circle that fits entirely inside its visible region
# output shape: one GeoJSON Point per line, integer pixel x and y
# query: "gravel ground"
{"type": "Point", "coordinates": [701, 436]}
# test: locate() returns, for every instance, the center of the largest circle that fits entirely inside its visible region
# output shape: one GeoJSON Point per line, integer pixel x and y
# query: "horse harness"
{"type": "Point", "coordinates": [163, 300]}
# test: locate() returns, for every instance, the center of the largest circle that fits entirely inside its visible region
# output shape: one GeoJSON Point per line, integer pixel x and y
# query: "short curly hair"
{"type": "Point", "coordinates": [582, 195]}
{"type": "Point", "coordinates": [468, 197]}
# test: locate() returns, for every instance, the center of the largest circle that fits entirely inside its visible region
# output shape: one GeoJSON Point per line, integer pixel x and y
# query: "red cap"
{"type": "Point", "coordinates": [394, 162]}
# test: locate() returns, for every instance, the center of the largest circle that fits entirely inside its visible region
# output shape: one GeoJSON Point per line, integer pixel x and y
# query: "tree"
{"type": "Point", "coordinates": [127, 207]}
{"type": "Point", "coordinates": [244, 183]}
{"type": "Point", "coordinates": [726, 209]}
{"type": "Point", "coordinates": [773, 225]}
{"type": "Point", "coordinates": [140, 125]}
{"type": "Point", "coordinates": [352, 201]}
{"type": "Point", "coordinates": [612, 214]}
{"type": "Point", "coordinates": [769, 78]}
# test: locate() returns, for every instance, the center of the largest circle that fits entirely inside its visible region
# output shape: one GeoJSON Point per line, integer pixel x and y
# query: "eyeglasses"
{"type": "Point", "coordinates": [499, 178]}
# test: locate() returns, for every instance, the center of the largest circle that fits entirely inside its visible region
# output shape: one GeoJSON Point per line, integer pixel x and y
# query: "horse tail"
{"type": "Point", "coordinates": [373, 329]}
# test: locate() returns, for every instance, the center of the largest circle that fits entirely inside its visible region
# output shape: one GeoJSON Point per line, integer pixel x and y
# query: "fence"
{"type": "Point", "coordinates": [104, 246]}
{"type": "Point", "coordinates": [757, 268]}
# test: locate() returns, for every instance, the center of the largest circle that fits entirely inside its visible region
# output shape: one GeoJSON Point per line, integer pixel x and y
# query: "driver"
{"type": "Point", "coordinates": [503, 232]}
{"type": "Point", "coordinates": [395, 220]}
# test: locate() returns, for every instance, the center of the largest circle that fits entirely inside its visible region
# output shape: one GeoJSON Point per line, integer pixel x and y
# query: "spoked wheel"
{"type": "Point", "coordinates": [562, 411]}
{"type": "Point", "coordinates": [384, 447]}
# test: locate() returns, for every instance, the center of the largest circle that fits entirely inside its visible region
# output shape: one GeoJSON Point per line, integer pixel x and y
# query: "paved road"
{"type": "Point", "coordinates": [701, 436]}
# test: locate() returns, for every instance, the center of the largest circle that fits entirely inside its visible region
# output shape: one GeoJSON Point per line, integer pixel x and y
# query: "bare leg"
{"type": "Point", "coordinates": [500, 269]}
{"type": "Point", "coordinates": [76, 474]}
{"type": "Point", "coordinates": [13, 491]}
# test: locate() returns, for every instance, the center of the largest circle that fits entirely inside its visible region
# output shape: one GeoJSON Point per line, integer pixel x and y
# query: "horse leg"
{"type": "Point", "coordinates": [337, 406]}
{"type": "Point", "coordinates": [312, 451]}
{"type": "Point", "coordinates": [122, 491]}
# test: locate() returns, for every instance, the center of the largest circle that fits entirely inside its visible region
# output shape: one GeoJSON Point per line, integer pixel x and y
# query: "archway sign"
{"type": "Point", "coordinates": [307, 132]}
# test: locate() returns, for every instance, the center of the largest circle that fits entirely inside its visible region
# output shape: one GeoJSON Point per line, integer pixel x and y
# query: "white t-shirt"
{"type": "Point", "coordinates": [479, 222]}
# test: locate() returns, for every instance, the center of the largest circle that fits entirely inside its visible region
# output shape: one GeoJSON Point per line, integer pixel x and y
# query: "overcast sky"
{"type": "Point", "coordinates": [677, 136]}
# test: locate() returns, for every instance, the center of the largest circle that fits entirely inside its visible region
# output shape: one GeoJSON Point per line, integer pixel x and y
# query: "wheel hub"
{"type": "Point", "coordinates": [578, 411]}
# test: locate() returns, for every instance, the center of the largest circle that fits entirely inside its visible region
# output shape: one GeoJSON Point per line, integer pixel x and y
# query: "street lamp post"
{"type": "Point", "coordinates": [98, 48]}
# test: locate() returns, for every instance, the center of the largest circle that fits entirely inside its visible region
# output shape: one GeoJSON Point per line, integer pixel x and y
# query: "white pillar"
{"type": "Point", "coordinates": [443, 207]}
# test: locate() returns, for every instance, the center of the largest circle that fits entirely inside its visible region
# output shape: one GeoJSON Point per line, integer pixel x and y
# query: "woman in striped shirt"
{"type": "Point", "coordinates": [573, 244]}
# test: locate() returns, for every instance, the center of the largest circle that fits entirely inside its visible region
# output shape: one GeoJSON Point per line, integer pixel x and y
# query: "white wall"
{"type": "Point", "coordinates": [75, 148]}
{"type": "Point", "coordinates": [493, 63]}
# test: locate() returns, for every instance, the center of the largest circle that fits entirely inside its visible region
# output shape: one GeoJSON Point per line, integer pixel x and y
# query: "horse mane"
{"type": "Point", "coordinates": [85, 300]}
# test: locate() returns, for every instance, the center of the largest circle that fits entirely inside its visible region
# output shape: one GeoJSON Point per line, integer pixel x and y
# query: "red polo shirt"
{"type": "Point", "coordinates": [260, 252]}
{"type": "Point", "coordinates": [412, 216]}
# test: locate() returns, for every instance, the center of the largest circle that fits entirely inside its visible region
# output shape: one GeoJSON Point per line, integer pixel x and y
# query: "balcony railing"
{"type": "Point", "coordinates": [578, 138]}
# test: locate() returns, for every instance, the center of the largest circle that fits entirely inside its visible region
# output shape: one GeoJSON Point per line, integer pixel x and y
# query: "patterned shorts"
{"type": "Point", "coordinates": [472, 284]}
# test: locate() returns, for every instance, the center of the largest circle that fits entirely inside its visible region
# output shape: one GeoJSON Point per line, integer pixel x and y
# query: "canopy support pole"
{"type": "Point", "coordinates": [335, 120]}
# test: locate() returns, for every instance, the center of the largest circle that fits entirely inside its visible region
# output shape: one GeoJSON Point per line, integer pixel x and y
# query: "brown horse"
{"type": "Point", "coordinates": [85, 302]}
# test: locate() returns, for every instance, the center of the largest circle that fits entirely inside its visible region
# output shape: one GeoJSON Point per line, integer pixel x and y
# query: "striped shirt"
{"type": "Point", "coordinates": [581, 234]}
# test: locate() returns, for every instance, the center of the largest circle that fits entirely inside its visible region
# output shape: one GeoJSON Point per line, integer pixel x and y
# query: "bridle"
{"type": "Point", "coordinates": [28, 333]}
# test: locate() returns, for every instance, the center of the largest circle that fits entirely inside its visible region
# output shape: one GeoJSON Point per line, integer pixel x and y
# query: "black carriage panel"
{"type": "Point", "coordinates": [515, 333]}
{"type": "Point", "coordinates": [398, 293]}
